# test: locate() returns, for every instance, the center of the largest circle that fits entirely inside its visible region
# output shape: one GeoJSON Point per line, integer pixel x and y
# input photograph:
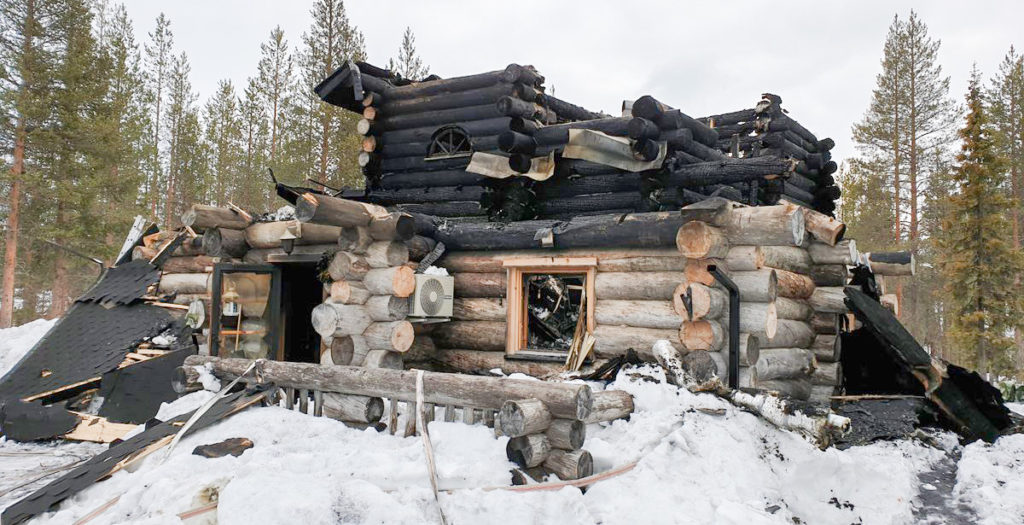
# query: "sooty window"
{"type": "Point", "coordinates": [449, 141]}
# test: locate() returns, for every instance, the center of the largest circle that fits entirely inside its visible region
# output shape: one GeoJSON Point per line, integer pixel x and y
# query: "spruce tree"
{"type": "Point", "coordinates": [977, 259]}
{"type": "Point", "coordinates": [408, 64]}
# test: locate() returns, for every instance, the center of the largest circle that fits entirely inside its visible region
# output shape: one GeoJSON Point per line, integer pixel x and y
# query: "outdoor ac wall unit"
{"type": "Point", "coordinates": [432, 299]}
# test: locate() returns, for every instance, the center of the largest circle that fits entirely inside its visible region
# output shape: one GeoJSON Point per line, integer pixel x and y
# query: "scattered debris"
{"type": "Point", "coordinates": [233, 446]}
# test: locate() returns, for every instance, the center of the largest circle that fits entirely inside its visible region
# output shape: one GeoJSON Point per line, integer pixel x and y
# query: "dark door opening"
{"type": "Point", "coordinates": [301, 291]}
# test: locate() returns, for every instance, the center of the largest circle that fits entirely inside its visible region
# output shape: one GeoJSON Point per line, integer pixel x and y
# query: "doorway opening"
{"type": "Point", "coordinates": [301, 291]}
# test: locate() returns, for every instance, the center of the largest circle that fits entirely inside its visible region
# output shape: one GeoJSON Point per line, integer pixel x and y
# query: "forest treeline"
{"type": "Point", "coordinates": [945, 179]}
{"type": "Point", "coordinates": [102, 124]}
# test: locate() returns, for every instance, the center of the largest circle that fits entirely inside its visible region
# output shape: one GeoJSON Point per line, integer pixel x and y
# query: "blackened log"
{"type": "Point", "coordinates": [703, 152]}
{"type": "Point", "coordinates": [817, 161]}
{"type": "Point", "coordinates": [427, 179]}
{"type": "Point", "coordinates": [826, 144]}
{"type": "Point", "coordinates": [641, 128]}
{"type": "Point", "coordinates": [522, 74]}
{"type": "Point", "coordinates": [829, 168]}
{"type": "Point", "coordinates": [667, 118]}
{"type": "Point", "coordinates": [561, 187]}
{"type": "Point", "coordinates": [801, 182]}
{"type": "Point", "coordinates": [572, 215]}
{"type": "Point", "coordinates": [722, 190]}
{"type": "Point", "coordinates": [559, 133]}
{"type": "Point", "coordinates": [514, 142]}
{"type": "Point", "coordinates": [585, 168]}
{"type": "Point", "coordinates": [646, 149]}
{"type": "Point", "coordinates": [781, 122]}
{"type": "Point", "coordinates": [680, 139]}
{"type": "Point", "coordinates": [566, 110]}
{"type": "Point", "coordinates": [486, 127]}
{"type": "Point", "coordinates": [436, 87]}
{"type": "Point", "coordinates": [444, 209]}
{"type": "Point", "coordinates": [584, 203]}
{"type": "Point", "coordinates": [735, 117]}
{"type": "Point", "coordinates": [780, 142]}
{"type": "Point", "coordinates": [422, 195]}
{"type": "Point", "coordinates": [634, 230]}
{"type": "Point", "coordinates": [809, 147]}
{"type": "Point", "coordinates": [742, 129]}
{"type": "Point", "coordinates": [439, 118]}
{"type": "Point", "coordinates": [830, 193]}
{"type": "Point", "coordinates": [791, 190]}
{"type": "Point", "coordinates": [422, 164]}
{"type": "Point", "coordinates": [514, 107]}
{"type": "Point", "coordinates": [725, 171]}
{"type": "Point", "coordinates": [525, 126]}
{"type": "Point", "coordinates": [472, 97]}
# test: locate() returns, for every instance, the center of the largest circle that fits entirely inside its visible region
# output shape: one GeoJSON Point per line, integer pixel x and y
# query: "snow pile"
{"type": "Point", "coordinates": [435, 270]}
{"type": "Point", "coordinates": [16, 342]}
{"type": "Point", "coordinates": [991, 479]}
{"type": "Point", "coordinates": [700, 460]}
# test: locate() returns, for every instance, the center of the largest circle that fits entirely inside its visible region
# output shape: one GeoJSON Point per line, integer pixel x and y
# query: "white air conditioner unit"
{"type": "Point", "coordinates": [432, 299]}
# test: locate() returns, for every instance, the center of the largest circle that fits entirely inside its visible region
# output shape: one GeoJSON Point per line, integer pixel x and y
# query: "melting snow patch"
{"type": "Point", "coordinates": [990, 479]}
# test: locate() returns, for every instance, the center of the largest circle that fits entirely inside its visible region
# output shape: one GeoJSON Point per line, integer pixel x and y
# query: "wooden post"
{"type": "Point", "coordinates": [398, 281]}
{"type": "Point", "coordinates": [610, 405]}
{"type": "Point", "coordinates": [201, 217]}
{"type": "Point", "coordinates": [574, 464]}
{"type": "Point", "coordinates": [699, 240]}
{"type": "Point", "coordinates": [351, 408]}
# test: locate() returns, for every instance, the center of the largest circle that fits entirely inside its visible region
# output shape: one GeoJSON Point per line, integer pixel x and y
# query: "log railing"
{"type": "Point", "coordinates": [545, 420]}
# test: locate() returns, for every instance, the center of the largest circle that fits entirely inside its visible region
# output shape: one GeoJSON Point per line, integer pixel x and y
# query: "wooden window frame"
{"type": "Point", "coordinates": [517, 268]}
{"type": "Point", "coordinates": [276, 338]}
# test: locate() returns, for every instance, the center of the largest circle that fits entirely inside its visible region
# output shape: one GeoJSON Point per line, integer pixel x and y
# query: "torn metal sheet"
{"type": "Point", "coordinates": [595, 146]}
{"type": "Point", "coordinates": [115, 458]}
{"type": "Point", "coordinates": [496, 166]}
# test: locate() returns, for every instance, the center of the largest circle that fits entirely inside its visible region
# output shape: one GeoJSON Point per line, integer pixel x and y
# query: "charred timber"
{"type": "Point", "coordinates": [632, 230]}
{"type": "Point", "coordinates": [667, 118]}
{"type": "Point", "coordinates": [566, 110]}
{"type": "Point", "coordinates": [436, 87]}
{"type": "Point", "coordinates": [480, 128]}
{"type": "Point", "coordinates": [726, 171]}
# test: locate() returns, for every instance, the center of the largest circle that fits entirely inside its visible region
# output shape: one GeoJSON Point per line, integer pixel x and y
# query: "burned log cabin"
{"type": "Point", "coordinates": [502, 229]}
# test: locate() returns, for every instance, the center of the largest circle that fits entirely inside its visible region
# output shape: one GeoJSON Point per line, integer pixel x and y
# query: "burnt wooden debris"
{"type": "Point", "coordinates": [420, 138]}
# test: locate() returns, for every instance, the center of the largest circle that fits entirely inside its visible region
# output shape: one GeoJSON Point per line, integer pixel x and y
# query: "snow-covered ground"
{"type": "Point", "coordinates": [16, 342]}
{"type": "Point", "coordinates": [700, 460]}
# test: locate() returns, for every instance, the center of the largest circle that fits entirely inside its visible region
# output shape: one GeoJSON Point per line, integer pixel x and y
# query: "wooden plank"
{"type": "Point", "coordinates": [97, 429]}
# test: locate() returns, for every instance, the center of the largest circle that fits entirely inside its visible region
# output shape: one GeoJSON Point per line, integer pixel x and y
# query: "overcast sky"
{"type": "Point", "coordinates": [702, 57]}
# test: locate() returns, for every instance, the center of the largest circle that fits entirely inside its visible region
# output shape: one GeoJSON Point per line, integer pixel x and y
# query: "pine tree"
{"type": "Point", "coordinates": [223, 136]}
{"type": "Point", "coordinates": [75, 152]}
{"type": "Point", "coordinates": [978, 261]}
{"type": "Point", "coordinates": [182, 125]}
{"type": "Point", "coordinates": [1006, 100]}
{"type": "Point", "coordinates": [907, 122]}
{"type": "Point", "coordinates": [330, 42]}
{"type": "Point", "coordinates": [159, 61]}
{"type": "Point", "coordinates": [256, 138]}
{"type": "Point", "coordinates": [408, 64]}
{"type": "Point", "coordinates": [25, 65]}
{"type": "Point", "coordinates": [275, 69]}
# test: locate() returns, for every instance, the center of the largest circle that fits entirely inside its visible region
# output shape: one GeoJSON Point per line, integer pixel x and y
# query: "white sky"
{"type": "Point", "coordinates": [702, 57]}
